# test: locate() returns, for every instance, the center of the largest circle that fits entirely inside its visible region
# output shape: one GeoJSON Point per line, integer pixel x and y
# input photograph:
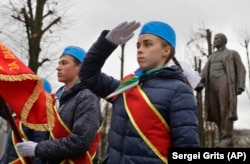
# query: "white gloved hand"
{"type": "Point", "coordinates": [26, 148]}
{"type": "Point", "coordinates": [122, 33]}
{"type": "Point", "coordinates": [192, 76]}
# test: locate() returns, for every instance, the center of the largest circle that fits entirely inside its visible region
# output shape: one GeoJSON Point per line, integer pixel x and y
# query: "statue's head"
{"type": "Point", "coordinates": [220, 40]}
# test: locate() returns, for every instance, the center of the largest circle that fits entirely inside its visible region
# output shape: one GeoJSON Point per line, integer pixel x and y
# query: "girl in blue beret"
{"type": "Point", "coordinates": [154, 108]}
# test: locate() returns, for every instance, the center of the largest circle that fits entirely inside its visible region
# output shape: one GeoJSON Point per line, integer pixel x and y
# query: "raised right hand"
{"type": "Point", "coordinates": [123, 32]}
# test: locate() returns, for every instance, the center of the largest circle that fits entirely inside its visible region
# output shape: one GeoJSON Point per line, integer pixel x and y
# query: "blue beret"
{"type": "Point", "coordinates": [160, 29]}
{"type": "Point", "coordinates": [75, 52]}
{"type": "Point", "coordinates": [46, 85]}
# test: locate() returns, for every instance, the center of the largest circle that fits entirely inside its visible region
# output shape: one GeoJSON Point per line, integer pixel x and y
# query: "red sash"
{"type": "Point", "coordinates": [61, 130]}
{"type": "Point", "coordinates": [148, 122]}
{"type": "Point", "coordinates": [17, 161]}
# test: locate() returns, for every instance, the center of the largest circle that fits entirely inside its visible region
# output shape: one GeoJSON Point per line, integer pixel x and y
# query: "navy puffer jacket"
{"type": "Point", "coordinates": [167, 91]}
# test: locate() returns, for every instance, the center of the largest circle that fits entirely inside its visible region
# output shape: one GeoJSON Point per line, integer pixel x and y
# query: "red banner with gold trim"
{"type": "Point", "coordinates": [23, 91]}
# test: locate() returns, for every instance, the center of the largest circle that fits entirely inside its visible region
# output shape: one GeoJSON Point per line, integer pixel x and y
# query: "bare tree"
{"type": "Point", "coordinates": [245, 43]}
{"type": "Point", "coordinates": [122, 61]}
{"type": "Point", "coordinates": [29, 24]}
{"type": "Point", "coordinates": [202, 43]}
{"type": "Point", "coordinates": [107, 111]}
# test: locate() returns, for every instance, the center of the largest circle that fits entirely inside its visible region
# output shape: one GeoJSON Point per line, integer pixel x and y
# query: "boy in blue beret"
{"type": "Point", "coordinates": [76, 132]}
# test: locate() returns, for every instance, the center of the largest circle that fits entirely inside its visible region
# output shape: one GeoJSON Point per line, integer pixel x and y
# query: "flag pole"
{"type": "Point", "coordinates": [12, 124]}
{"type": "Point", "coordinates": [9, 118]}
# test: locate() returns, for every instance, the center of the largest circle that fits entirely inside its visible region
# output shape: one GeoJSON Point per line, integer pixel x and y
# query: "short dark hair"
{"type": "Point", "coordinates": [223, 37]}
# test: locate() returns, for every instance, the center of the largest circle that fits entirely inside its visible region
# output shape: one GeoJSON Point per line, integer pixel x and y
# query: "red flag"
{"type": "Point", "coordinates": [23, 90]}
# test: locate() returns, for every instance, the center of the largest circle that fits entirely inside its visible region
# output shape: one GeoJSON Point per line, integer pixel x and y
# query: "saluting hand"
{"type": "Point", "coordinates": [122, 33]}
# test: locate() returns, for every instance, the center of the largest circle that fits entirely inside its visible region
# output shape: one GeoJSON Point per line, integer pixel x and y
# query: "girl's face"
{"type": "Point", "coordinates": [67, 70]}
{"type": "Point", "coordinates": [151, 53]}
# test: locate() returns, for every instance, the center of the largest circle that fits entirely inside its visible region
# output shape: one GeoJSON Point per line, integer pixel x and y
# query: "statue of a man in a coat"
{"type": "Point", "coordinates": [223, 77]}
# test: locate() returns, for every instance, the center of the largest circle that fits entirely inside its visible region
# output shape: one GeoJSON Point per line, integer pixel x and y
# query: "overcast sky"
{"type": "Point", "coordinates": [228, 16]}
{"type": "Point", "coordinates": [185, 16]}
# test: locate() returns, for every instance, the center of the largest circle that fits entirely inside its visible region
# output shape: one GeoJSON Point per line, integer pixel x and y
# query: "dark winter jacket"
{"type": "Point", "coordinates": [167, 91]}
{"type": "Point", "coordinates": [10, 152]}
{"type": "Point", "coordinates": [80, 111]}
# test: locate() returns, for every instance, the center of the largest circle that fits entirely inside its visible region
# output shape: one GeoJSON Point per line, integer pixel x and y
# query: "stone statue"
{"type": "Point", "coordinates": [223, 77]}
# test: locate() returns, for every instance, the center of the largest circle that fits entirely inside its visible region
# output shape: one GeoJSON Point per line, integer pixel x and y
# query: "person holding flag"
{"type": "Point", "coordinates": [76, 130]}
{"type": "Point", "coordinates": [154, 108]}
{"type": "Point", "coordinates": [11, 155]}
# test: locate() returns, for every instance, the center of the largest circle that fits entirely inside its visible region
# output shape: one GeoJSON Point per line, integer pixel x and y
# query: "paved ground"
{"type": "Point", "coordinates": [242, 138]}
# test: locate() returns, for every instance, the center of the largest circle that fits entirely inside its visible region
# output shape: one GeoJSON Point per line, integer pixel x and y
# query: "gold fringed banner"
{"type": "Point", "coordinates": [23, 91]}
